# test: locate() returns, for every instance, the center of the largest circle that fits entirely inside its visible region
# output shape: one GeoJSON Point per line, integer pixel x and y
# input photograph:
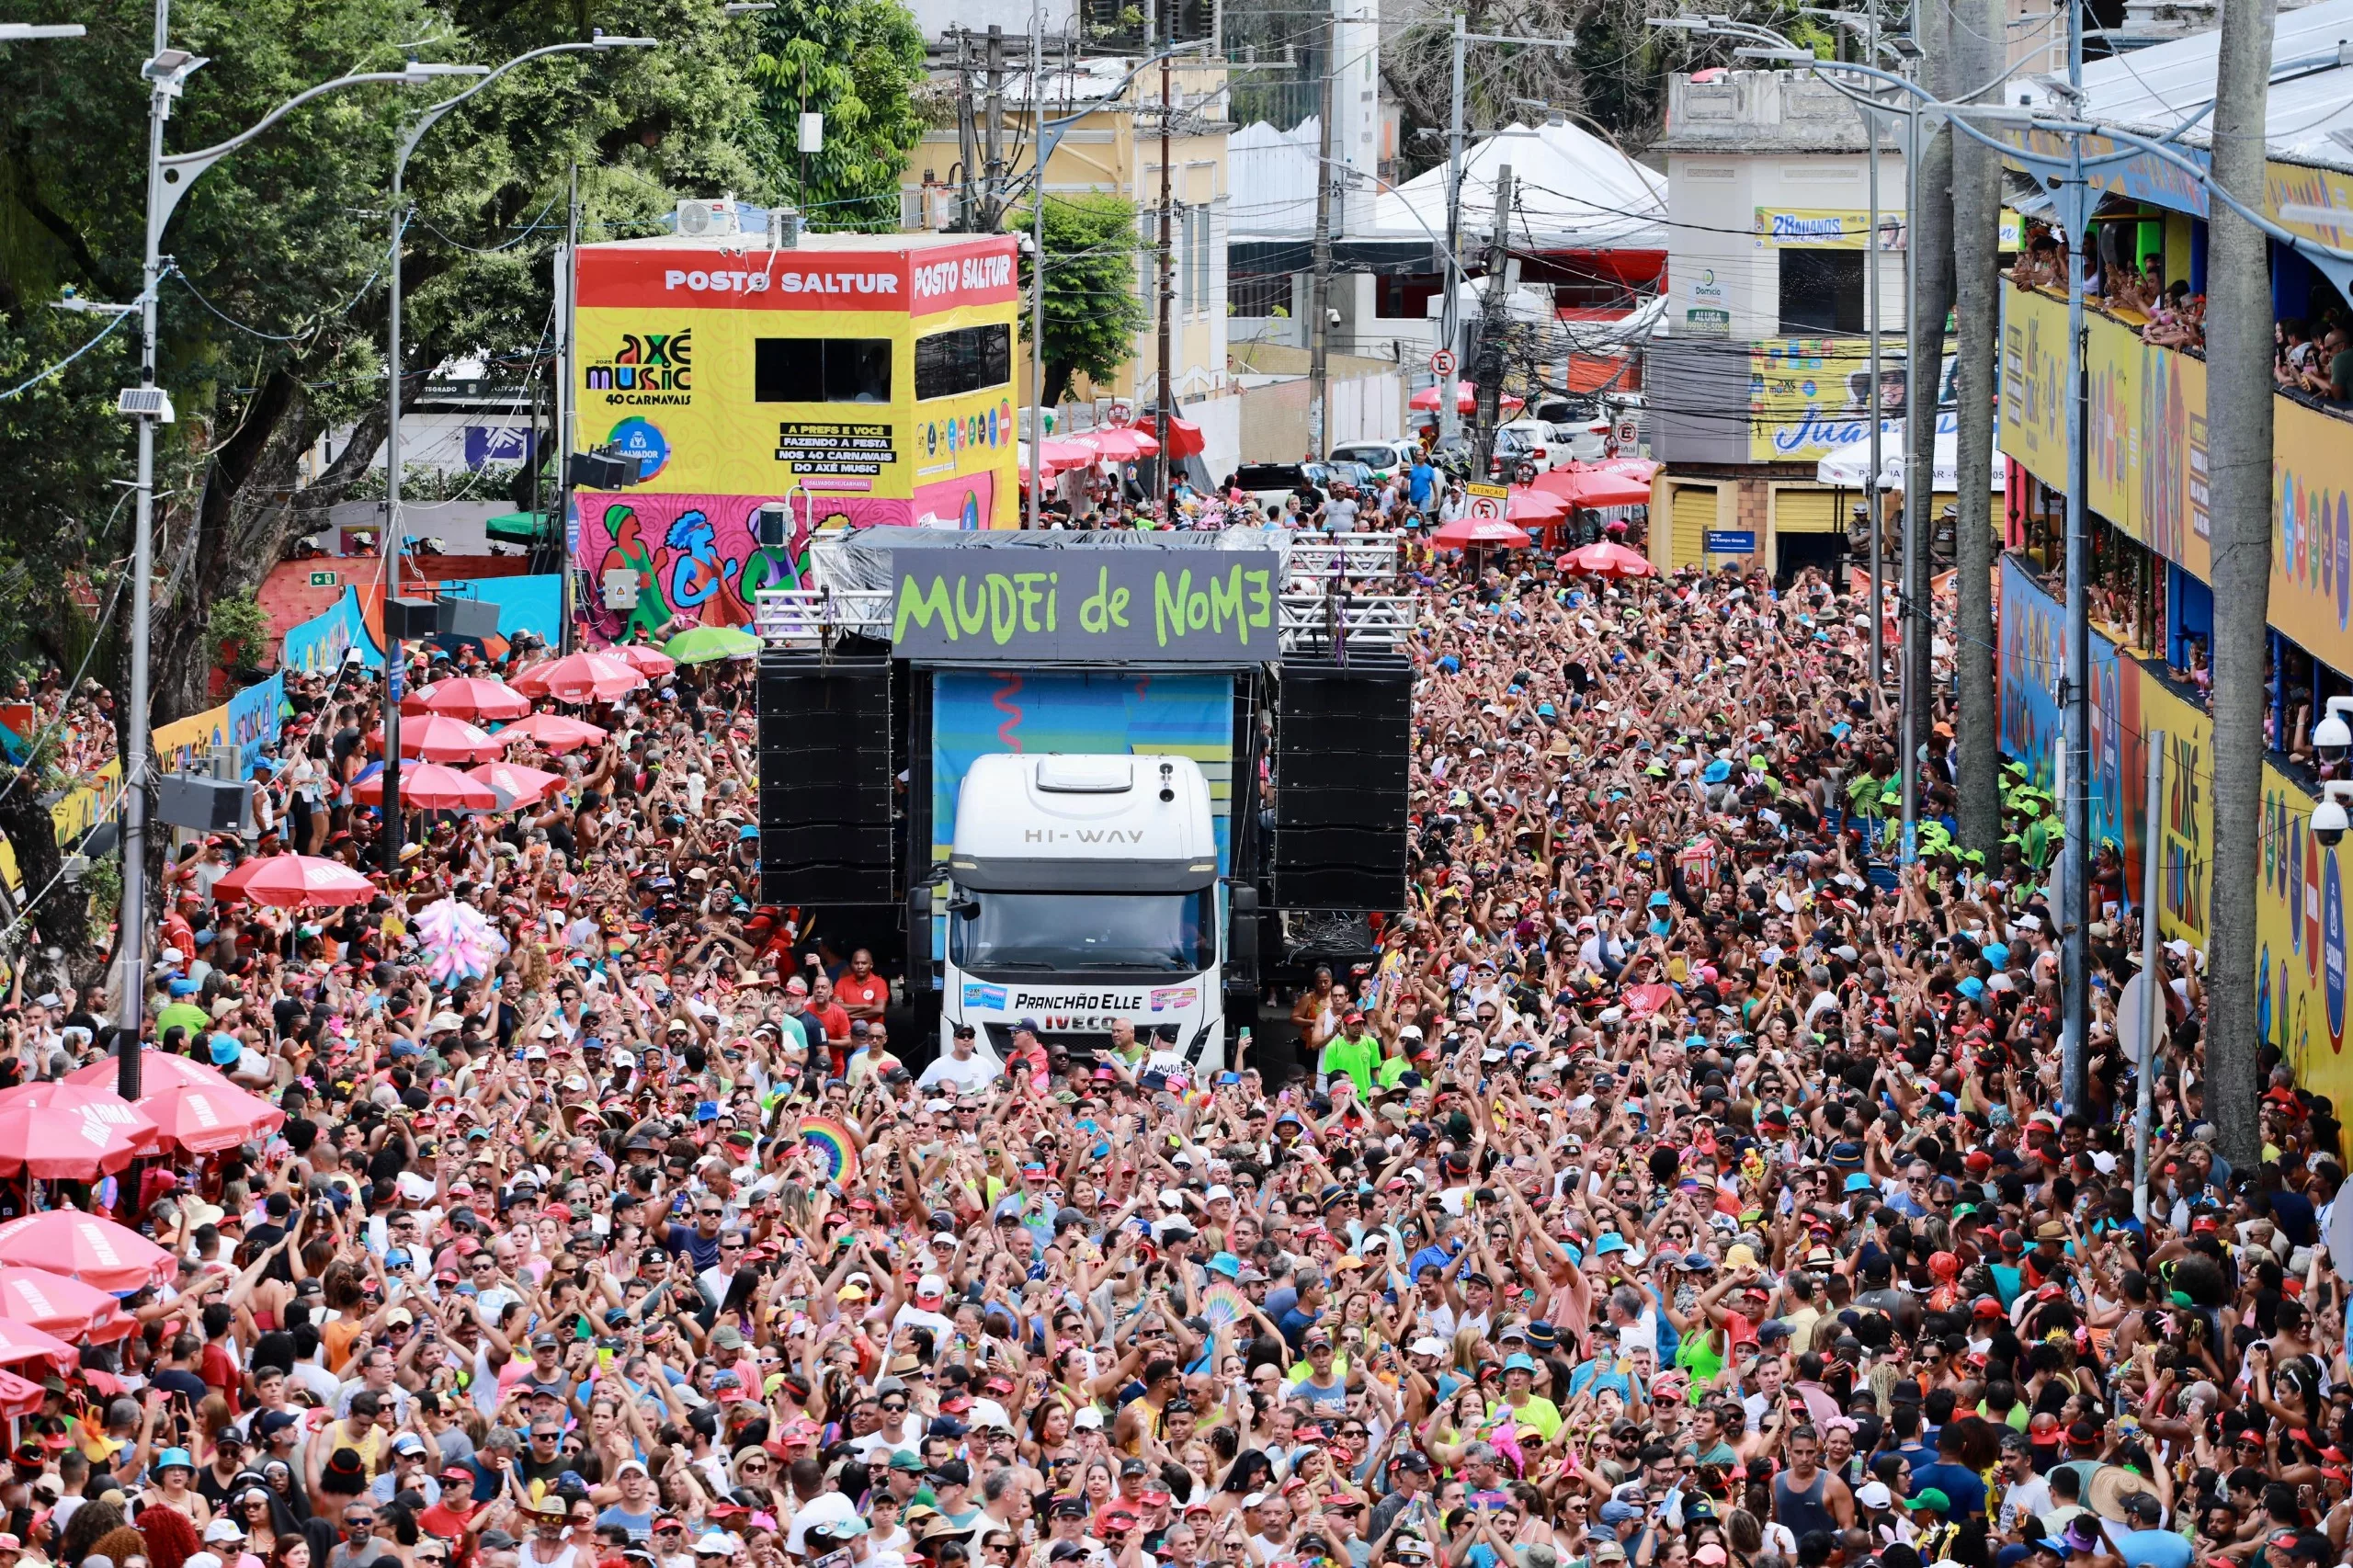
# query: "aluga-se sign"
{"type": "Point", "coordinates": [1195, 606]}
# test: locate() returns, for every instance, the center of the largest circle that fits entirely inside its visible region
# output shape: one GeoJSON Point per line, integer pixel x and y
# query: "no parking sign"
{"type": "Point", "coordinates": [1487, 502]}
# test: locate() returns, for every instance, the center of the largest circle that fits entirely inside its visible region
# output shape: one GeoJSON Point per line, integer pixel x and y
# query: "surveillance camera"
{"type": "Point", "coordinates": [2328, 823]}
{"type": "Point", "coordinates": [1332, 317]}
{"type": "Point", "coordinates": [2332, 737]}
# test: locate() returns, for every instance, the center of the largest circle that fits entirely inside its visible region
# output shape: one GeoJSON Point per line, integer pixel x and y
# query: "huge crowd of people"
{"type": "Point", "coordinates": [1681, 1183]}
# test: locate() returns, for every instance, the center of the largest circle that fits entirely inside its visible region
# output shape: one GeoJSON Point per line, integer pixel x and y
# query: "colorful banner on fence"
{"type": "Point", "coordinates": [317, 646]}
{"type": "Point", "coordinates": [249, 721]}
{"type": "Point", "coordinates": [2147, 472]}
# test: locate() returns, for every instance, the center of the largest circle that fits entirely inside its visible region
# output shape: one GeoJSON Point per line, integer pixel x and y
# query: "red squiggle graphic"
{"type": "Point", "coordinates": [1003, 702]}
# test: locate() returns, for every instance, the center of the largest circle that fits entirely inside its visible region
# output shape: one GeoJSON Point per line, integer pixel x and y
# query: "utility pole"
{"type": "Point", "coordinates": [1450, 416]}
{"type": "Point", "coordinates": [1319, 367]}
{"type": "Point", "coordinates": [568, 353]}
{"type": "Point", "coordinates": [993, 130]}
{"type": "Point", "coordinates": [2239, 448]}
{"type": "Point", "coordinates": [1871, 308]}
{"type": "Point", "coordinates": [1928, 248]}
{"type": "Point", "coordinates": [967, 153]}
{"type": "Point", "coordinates": [1167, 392]}
{"type": "Point", "coordinates": [1978, 33]}
{"type": "Point", "coordinates": [2075, 203]}
{"type": "Point", "coordinates": [1038, 150]}
{"type": "Point", "coordinates": [1491, 316]}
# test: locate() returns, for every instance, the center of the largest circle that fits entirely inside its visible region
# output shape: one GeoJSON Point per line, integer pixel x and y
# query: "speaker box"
{"type": "Point", "coordinates": [826, 795]}
{"type": "Point", "coordinates": [409, 619]}
{"type": "Point", "coordinates": [202, 805]}
{"type": "Point", "coordinates": [601, 471]}
{"type": "Point", "coordinates": [1341, 740]}
{"type": "Point", "coordinates": [477, 618]}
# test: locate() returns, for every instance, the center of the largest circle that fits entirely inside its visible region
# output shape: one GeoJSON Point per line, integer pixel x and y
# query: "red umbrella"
{"type": "Point", "coordinates": [579, 677]}
{"type": "Point", "coordinates": [554, 730]}
{"type": "Point", "coordinates": [1121, 443]}
{"type": "Point", "coordinates": [21, 1342]}
{"type": "Point", "coordinates": [69, 1132]}
{"type": "Point", "coordinates": [430, 786]}
{"type": "Point", "coordinates": [84, 1246]}
{"type": "Point", "coordinates": [1466, 399]}
{"type": "Point", "coordinates": [651, 662]}
{"type": "Point", "coordinates": [66, 1308]}
{"type": "Point", "coordinates": [202, 1121]}
{"type": "Point", "coordinates": [437, 737]}
{"type": "Point", "coordinates": [158, 1070]}
{"type": "Point", "coordinates": [470, 697]}
{"type": "Point", "coordinates": [1642, 469]}
{"type": "Point", "coordinates": [1606, 560]}
{"type": "Point", "coordinates": [1465, 531]}
{"type": "Point", "coordinates": [19, 1397]}
{"type": "Point", "coordinates": [292, 882]}
{"type": "Point", "coordinates": [1528, 505]}
{"type": "Point", "coordinates": [1595, 487]}
{"type": "Point", "coordinates": [515, 784]}
{"type": "Point", "coordinates": [1185, 438]}
{"type": "Point", "coordinates": [1055, 456]}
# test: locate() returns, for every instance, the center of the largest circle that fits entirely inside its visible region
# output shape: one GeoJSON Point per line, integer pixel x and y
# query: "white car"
{"type": "Point", "coordinates": [1550, 446]}
{"type": "Point", "coordinates": [1384, 458]}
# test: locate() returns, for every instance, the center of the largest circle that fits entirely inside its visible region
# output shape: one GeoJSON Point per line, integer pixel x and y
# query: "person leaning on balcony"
{"type": "Point", "coordinates": [2330, 375]}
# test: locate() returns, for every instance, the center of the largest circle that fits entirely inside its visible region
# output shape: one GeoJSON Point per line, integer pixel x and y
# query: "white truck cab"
{"type": "Point", "coordinates": [1082, 889]}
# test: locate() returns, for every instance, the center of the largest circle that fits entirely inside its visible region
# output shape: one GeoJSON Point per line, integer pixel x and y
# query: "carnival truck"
{"type": "Point", "coordinates": [1075, 779]}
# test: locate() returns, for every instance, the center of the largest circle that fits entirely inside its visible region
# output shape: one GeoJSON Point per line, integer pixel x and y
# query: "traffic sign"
{"type": "Point", "coordinates": [1442, 362]}
{"type": "Point", "coordinates": [1629, 434]}
{"type": "Point", "coordinates": [1487, 501]}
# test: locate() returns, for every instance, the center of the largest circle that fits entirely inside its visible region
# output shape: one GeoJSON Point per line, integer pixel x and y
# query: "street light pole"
{"type": "Point", "coordinates": [168, 180]}
{"type": "Point", "coordinates": [390, 545]}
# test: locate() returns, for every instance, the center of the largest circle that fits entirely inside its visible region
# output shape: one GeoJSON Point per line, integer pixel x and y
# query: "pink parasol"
{"type": "Point", "coordinates": [69, 1132]}
{"type": "Point", "coordinates": [1595, 487]}
{"type": "Point", "coordinates": [515, 784]}
{"type": "Point", "coordinates": [437, 737]}
{"type": "Point", "coordinates": [292, 882]}
{"type": "Point", "coordinates": [64, 1308]}
{"type": "Point", "coordinates": [204, 1121]}
{"type": "Point", "coordinates": [158, 1070]}
{"type": "Point", "coordinates": [651, 662]}
{"type": "Point", "coordinates": [86, 1247]}
{"type": "Point", "coordinates": [472, 697]}
{"type": "Point", "coordinates": [21, 1342]}
{"type": "Point", "coordinates": [580, 677]}
{"type": "Point", "coordinates": [1466, 531]}
{"type": "Point", "coordinates": [430, 786]}
{"type": "Point", "coordinates": [1121, 443]}
{"type": "Point", "coordinates": [1606, 560]}
{"type": "Point", "coordinates": [556, 731]}
{"type": "Point", "coordinates": [1528, 505]}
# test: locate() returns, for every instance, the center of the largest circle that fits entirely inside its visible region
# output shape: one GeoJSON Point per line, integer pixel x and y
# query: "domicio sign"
{"type": "Point", "coordinates": [1212, 607]}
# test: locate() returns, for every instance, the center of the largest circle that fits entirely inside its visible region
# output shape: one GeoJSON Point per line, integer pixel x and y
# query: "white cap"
{"type": "Point", "coordinates": [223, 1530]}
{"type": "Point", "coordinates": [1427, 1345]}
{"type": "Point", "coordinates": [1087, 1420]}
{"type": "Point", "coordinates": [1171, 1198]}
{"type": "Point", "coordinates": [715, 1541]}
{"type": "Point", "coordinates": [931, 1285]}
{"type": "Point", "coordinates": [1875, 1494]}
{"type": "Point", "coordinates": [1216, 1192]}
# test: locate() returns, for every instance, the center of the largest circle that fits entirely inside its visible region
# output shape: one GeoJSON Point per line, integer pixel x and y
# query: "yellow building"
{"type": "Point", "coordinates": [1115, 149]}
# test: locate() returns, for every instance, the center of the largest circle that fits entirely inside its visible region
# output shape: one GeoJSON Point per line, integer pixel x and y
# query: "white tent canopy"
{"type": "Point", "coordinates": [1571, 190]}
{"type": "Point", "coordinates": [1846, 467]}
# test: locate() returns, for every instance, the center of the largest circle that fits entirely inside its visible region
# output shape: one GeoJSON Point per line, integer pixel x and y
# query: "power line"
{"type": "Point", "coordinates": [42, 375]}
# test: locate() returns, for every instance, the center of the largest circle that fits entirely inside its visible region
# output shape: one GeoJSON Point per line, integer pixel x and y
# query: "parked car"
{"type": "Point", "coordinates": [1271, 484]}
{"type": "Point", "coordinates": [1383, 458]}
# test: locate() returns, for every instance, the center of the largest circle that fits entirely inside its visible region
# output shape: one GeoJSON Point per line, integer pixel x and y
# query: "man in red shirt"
{"type": "Point", "coordinates": [863, 993]}
{"type": "Point", "coordinates": [829, 1012]}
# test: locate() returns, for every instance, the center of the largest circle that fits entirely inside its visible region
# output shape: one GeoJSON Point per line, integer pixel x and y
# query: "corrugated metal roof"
{"type": "Point", "coordinates": [2154, 89]}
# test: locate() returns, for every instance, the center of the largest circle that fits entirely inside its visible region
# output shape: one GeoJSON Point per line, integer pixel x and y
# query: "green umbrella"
{"type": "Point", "coordinates": [701, 644]}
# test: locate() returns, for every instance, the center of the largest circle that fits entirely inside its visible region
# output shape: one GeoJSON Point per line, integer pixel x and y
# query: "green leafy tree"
{"type": "Point", "coordinates": [858, 62]}
{"type": "Point", "coordinates": [1092, 311]}
{"type": "Point", "coordinates": [273, 321]}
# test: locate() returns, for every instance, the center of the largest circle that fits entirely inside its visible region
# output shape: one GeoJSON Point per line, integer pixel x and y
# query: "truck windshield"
{"type": "Point", "coordinates": [1034, 933]}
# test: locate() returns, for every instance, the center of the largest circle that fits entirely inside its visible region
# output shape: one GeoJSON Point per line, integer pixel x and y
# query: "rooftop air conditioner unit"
{"type": "Point", "coordinates": [702, 220]}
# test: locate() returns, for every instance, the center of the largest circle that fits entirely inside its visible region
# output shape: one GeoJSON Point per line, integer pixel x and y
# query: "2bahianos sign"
{"type": "Point", "coordinates": [861, 380]}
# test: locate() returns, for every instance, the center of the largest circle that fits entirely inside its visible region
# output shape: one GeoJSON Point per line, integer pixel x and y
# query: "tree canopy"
{"type": "Point", "coordinates": [1092, 311]}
